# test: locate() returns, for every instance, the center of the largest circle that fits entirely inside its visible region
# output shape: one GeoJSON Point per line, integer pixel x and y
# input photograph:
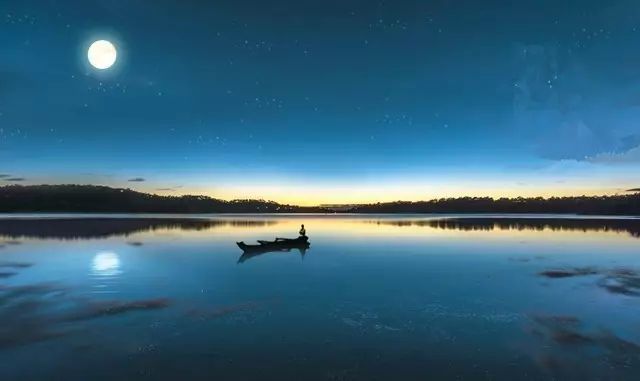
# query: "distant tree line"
{"type": "Point", "coordinates": [102, 199]}
{"type": "Point", "coordinates": [597, 205]}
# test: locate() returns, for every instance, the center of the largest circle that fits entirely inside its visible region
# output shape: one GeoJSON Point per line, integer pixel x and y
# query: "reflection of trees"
{"type": "Point", "coordinates": [630, 226]}
{"type": "Point", "coordinates": [80, 228]}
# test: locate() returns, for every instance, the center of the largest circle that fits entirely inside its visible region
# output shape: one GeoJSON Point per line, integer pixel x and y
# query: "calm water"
{"type": "Point", "coordinates": [374, 297]}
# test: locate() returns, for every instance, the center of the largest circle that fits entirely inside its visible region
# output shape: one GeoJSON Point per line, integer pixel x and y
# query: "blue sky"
{"type": "Point", "coordinates": [324, 101]}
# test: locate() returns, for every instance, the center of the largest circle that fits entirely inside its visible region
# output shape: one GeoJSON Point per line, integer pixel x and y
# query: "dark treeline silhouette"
{"type": "Point", "coordinates": [84, 228]}
{"type": "Point", "coordinates": [102, 199]}
{"type": "Point", "coordinates": [595, 205]}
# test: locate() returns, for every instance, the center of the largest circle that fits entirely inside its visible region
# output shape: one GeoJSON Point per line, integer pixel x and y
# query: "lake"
{"type": "Point", "coordinates": [374, 298]}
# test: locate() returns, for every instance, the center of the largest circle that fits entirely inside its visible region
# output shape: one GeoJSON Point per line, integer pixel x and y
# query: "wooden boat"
{"type": "Point", "coordinates": [301, 242]}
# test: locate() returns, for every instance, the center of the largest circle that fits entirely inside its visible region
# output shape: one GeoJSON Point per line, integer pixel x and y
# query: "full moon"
{"type": "Point", "coordinates": [102, 54]}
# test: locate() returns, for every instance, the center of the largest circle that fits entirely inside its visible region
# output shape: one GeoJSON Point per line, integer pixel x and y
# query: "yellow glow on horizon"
{"type": "Point", "coordinates": [357, 191]}
{"type": "Point", "coordinates": [309, 196]}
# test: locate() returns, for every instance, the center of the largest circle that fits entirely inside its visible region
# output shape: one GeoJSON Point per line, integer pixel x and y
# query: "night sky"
{"type": "Point", "coordinates": [324, 101]}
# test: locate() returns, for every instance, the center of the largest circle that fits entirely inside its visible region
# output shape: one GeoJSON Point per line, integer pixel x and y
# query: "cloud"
{"type": "Point", "coordinates": [633, 190]}
{"type": "Point", "coordinates": [137, 180]}
{"type": "Point", "coordinates": [102, 309]}
{"type": "Point", "coordinates": [630, 156]}
{"type": "Point", "coordinates": [15, 179]}
{"type": "Point", "coordinates": [169, 189]}
{"type": "Point", "coordinates": [3, 175]}
{"type": "Point", "coordinates": [565, 108]}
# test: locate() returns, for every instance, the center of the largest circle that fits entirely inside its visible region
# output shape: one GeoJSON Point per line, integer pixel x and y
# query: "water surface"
{"type": "Point", "coordinates": [375, 297]}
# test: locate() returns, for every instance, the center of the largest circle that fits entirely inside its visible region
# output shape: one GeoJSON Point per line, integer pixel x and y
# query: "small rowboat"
{"type": "Point", "coordinates": [301, 242]}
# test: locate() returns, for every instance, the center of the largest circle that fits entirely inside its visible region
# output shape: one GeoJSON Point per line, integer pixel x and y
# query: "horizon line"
{"type": "Point", "coordinates": [330, 205]}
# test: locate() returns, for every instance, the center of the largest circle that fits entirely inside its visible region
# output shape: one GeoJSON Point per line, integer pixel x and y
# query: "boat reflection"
{"type": "Point", "coordinates": [256, 253]}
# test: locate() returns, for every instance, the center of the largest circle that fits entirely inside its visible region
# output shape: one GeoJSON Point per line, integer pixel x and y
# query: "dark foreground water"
{"type": "Point", "coordinates": [374, 298]}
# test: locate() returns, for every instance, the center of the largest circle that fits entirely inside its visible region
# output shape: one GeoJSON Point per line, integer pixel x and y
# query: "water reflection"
{"type": "Point", "coordinates": [450, 298]}
{"type": "Point", "coordinates": [571, 350]}
{"type": "Point", "coordinates": [631, 225]}
{"type": "Point", "coordinates": [256, 253]}
{"type": "Point", "coordinates": [105, 271]}
{"type": "Point", "coordinates": [84, 228]}
{"type": "Point", "coordinates": [76, 228]}
{"type": "Point", "coordinates": [44, 311]}
{"type": "Point", "coordinates": [106, 264]}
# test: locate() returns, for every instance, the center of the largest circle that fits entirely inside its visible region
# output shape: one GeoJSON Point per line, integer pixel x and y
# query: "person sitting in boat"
{"type": "Point", "coordinates": [303, 235]}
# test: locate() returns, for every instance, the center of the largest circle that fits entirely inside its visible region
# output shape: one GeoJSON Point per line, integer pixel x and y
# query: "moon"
{"type": "Point", "coordinates": [102, 54]}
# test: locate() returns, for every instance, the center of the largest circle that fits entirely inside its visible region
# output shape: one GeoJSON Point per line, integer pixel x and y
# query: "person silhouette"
{"type": "Point", "coordinates": [303, 232]}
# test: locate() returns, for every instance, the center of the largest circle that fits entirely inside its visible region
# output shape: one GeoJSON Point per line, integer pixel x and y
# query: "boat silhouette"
{"type": "Point", "coordinates": [279, 244]}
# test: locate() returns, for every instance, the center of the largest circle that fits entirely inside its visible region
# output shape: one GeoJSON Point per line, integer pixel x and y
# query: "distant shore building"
{"type": "Point", "coordinates": [339, 207]}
